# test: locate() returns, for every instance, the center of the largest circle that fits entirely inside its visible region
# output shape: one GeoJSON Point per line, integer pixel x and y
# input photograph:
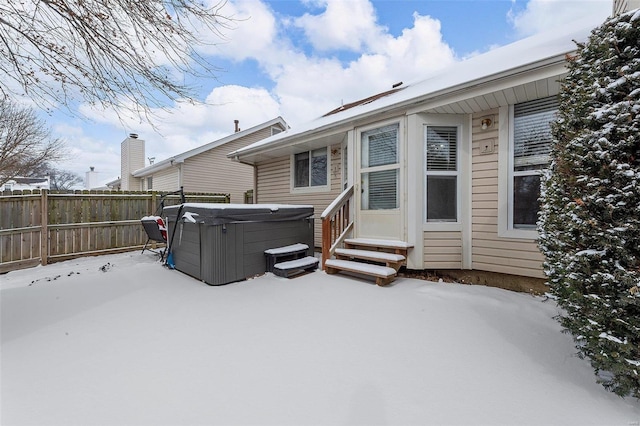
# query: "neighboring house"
{"type": "Point", "coordinates": [202, 169]}
{"type": "Point", "coordinates": [114, 185]}
{"type": "Point", "coordinates": [449, 165]}
{"type": "Point", "coordinates": [26, 183]}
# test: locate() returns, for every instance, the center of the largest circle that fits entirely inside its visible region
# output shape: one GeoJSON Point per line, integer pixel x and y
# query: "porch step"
{"type": "Point", "coordinates": [283, 254]}
{"type": "Point", "coordinates": [369, 242]}
{"type": "Point", "coordinates": [392, 246]}
{"type": "Point", "coordinates": [383, 274]}
{"type": "Point", "coordinates": [295, 267]}
{"type": "Point", "coordinates": [392, 260]}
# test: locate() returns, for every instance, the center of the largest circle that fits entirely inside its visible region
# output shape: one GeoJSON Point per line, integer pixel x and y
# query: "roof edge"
{"type": "Point", "coordinates": [179, 158]}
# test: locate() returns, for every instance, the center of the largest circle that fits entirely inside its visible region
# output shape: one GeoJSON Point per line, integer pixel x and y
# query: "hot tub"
{"type": "Point", "coordinates": [224, 243]}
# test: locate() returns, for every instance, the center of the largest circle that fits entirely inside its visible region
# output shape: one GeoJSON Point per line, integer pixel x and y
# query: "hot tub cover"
{"type": "Point", "coordinates": [218, 213]}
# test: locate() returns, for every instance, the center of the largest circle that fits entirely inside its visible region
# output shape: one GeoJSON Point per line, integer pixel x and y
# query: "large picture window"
{"type": "Point", "coordinates": [310, 169]}
{"type": "Point", "coordinates": [441, 146]}
{"type": "Point", "coordinates": [530, 155]}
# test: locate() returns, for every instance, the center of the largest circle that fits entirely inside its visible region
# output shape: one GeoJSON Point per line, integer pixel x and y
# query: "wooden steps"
{"type": "Point", "coordinates": [391, 246]}
{"type": "Point", "coordinates": [383, 274]}
{"type": "Point", "coordinates": [392, 260]}
{"type": "Point", "coordinates": [380, 259]}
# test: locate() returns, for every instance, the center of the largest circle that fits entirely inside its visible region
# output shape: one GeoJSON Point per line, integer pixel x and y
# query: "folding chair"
{"type": "Point", "coordinates": [156, 231]}
{"type": "Point", "coordinates": [155, 227]}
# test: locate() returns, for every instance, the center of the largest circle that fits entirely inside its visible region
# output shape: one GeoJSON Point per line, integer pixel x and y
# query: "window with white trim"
{"type": "Point", "coordinates": [380, 167]}
{"type": "Point", "coordinates": [529, 155]}
{"type": "Point", "coordinates": [310, 169]}
{"type": "Point", "coordinates": [442, 173]}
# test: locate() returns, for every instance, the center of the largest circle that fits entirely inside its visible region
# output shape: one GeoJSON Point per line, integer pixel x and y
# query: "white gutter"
{"type": "Point", "coordinates": [524, 56]}
{"type": "Point", "coordinates": [347, 122]}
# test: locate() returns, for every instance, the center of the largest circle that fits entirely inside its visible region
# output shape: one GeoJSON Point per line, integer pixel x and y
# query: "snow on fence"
{"type": "Point", "coordinates": [75, 224]}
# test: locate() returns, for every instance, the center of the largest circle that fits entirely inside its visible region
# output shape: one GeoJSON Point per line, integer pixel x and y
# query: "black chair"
{"type": "Point", "coordinates": [155, 227]}
{"type": "Point", "coordinates": [154, 231]}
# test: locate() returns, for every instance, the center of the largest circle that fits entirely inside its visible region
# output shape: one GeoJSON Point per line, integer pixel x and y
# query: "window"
{"type": "Point", "coordinates": [530, 149]}
{"type": "Point", "coordinates": [441, 146]}
{"type": "Point", "coordinates": [310, 169]}
{"type": "Point", "coordinates": [380, 168]}
{"type": "Point", "coordinates": [149, 183]}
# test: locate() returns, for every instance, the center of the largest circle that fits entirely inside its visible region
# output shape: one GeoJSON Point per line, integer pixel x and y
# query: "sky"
{"type": "Point", "coordinates": [301, 59]}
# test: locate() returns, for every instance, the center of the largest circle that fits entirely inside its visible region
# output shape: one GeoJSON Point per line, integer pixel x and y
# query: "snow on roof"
{"type": "Point", "coordinates": [160, 165]}
{"type": "Point", "coordinates": [520, 55]}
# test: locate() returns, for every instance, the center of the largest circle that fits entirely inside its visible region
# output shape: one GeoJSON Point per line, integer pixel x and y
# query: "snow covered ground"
{"type": "Point", "coordinates": [116, 340]}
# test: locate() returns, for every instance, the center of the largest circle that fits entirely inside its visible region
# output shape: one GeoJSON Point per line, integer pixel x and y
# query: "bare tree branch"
{"type": "Point", "coordinates": [63, 180]}
{"type": "Point", "coordinates": [129, 54]}
{"type": "Point", "coordinates": [25, 142]}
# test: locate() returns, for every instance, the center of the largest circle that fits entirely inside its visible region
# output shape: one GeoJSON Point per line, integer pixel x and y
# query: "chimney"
{"type": "Point", "coordinates": [91, 178]}
{"type": "Point", "coordinates": [237, 123]}
{"type": "Point", "coordinates": [131, 159]}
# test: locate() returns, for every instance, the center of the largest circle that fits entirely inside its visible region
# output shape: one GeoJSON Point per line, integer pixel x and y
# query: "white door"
{"type": "Point", "coordinates": [379, 195]}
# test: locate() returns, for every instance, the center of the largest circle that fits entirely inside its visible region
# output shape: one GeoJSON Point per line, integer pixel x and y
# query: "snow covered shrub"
{"type": "Point", "coordinates": [590, 217]}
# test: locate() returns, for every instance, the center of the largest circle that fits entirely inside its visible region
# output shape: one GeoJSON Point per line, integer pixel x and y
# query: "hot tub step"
{"type": "Point", "coordinates": [284, 254]}
{"type": "Point", "coordinates": [294, 267]}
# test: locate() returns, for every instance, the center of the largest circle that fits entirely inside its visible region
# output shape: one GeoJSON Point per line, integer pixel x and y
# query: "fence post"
{"type": "Point", "coordinates": [153, 203]}
{"type": "Point", "coordinates": [44, 231]}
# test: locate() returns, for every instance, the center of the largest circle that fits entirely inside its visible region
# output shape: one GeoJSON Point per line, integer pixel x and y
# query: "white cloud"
{"type": "Point", "coordinates": [544, 15]}
{"type": "Point", "coordinates": [252, 32]}
{"type": "Point", "coordinates": [85, 151]}
{"type": "Point", "coordinates": [413, 55]}
{"type": "Point", "coordinates": [349, 25]}
{"type": "Point", "coordinates": [306, 83]}
{"type": "Point", "coordinates": [183, 127]}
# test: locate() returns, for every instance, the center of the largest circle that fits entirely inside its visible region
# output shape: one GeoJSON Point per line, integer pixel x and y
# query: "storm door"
{"type": "Point", "coordinates": [380, 198]}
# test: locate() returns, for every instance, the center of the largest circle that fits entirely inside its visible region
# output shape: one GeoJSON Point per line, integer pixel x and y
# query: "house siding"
{"type": "Point", "coordinates": [227, 176]}
{"type": "Point", "coordinates": [274, 186]}
{"type": "Point", "coordinates": [443, 250]}
{"type": "Point", "coordinates": [167, 180]}
{"type": "Point", "coordinates": [491, 252]}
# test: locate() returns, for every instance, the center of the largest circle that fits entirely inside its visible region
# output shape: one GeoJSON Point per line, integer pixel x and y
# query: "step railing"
{"type": "Point", "coordinates": [336, 223]}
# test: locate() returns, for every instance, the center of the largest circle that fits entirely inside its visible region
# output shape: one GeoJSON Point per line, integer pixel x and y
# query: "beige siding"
{"type": "Point", "coordinates": [212, 171]}
{"type": "Point", "coordinates": [167, 180]}
{"type": "Point", "coordinates": [443, 250]}
{"type": "Point", "coordinates": [489, 251]}
{"type": "Point", "coordinates": [131, 159]}
{"type": "Point", "coordinates": [274, 186]}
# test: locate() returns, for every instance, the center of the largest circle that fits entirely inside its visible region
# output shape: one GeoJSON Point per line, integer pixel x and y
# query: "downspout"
{"type": "Point", "coordinates": [255, 177]}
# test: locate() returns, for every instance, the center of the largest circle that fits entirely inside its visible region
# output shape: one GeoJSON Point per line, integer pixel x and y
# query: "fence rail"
{"type": "Point", "coordinates": [37, 227]}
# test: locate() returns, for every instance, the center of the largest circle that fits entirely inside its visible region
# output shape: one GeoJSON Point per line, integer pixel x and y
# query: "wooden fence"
{"type": "Point", "coordinates": [77, 224]}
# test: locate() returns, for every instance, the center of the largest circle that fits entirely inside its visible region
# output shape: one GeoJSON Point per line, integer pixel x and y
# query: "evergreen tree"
{"type": "Point", "coordinates": [590, 217]}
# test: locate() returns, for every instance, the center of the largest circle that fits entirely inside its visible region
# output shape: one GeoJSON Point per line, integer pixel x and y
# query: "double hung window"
{"type": "Point", "coordinates": [442, 173]}
{"type": "Point", "coordinates": [531, 144]}
{"type": "Point", "coordinates": [310, 169]}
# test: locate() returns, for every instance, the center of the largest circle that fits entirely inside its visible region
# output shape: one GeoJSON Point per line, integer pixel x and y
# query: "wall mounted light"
{"type": "Point", "coordinates": [486, 123]}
